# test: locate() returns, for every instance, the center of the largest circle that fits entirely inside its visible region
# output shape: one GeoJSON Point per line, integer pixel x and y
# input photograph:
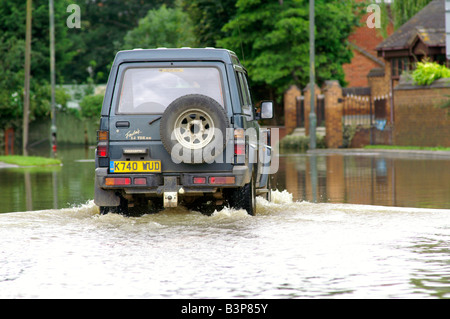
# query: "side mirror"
{"type": "Point", "coordinates": [266, 110]}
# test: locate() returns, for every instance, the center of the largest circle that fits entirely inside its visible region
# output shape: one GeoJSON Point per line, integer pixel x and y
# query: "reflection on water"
{"type": "Point", "coordinates": [36, 188]}
{"type": "Point", "coordinates": [57, 245]}
{"type": "Point", "coordinates": [367, 178]}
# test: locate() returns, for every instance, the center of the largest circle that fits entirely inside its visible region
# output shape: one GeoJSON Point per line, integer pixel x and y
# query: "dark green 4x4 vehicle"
{"type": "Point", "coordinates": [178, 126]}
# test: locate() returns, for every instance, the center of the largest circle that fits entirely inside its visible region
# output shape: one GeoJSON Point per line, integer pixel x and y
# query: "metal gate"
{"type": "Point", "coordinates": [300, 111]}
{"type": "Point", "coordinates": [367, 113]}
{"type": "Point", "coordinates": [319, 110]}
{"type": "Point", "coordinates": [357, 110]}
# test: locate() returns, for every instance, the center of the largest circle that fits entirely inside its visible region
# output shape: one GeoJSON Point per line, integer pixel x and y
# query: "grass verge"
{"type": "Point", "coordinates": [415, 148]}
{"type": "Point", "coordinates": [29, 160]}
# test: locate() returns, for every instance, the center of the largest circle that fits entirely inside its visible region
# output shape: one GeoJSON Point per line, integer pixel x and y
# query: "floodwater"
{"type": "Point", "coordinates": [338, 226]}
{"type": "Point", "coordinates": [372, 178]}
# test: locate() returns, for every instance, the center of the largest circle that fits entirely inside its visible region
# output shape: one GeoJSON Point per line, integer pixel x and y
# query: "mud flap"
{"type": "Point", "coordinates": [104, 197]}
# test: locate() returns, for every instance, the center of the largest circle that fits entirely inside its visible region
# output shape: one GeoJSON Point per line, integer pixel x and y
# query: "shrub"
{"type": "Point", "coordinates": [427, 72]}
{"type": "Point", "coordinates": [91, 106]}
{"type": "Point", "coordinates": [300, 143]}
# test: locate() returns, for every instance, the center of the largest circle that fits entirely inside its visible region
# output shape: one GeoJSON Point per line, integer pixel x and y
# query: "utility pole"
{"type": "Point", "coordinates": [447, 27]}
{"type": "Point", "coordinates": [26, 102]}
{"type": "Point", "coordinates": [52, 74]}
{"type": "Point", "coordinates": [312, 72]}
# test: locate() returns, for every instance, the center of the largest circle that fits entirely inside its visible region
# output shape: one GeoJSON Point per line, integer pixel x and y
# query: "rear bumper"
{"type": "Point", "coordinates": [183, 183]}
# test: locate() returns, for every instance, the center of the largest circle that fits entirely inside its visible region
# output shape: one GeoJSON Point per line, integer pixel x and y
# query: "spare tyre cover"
{"type": "Point", "coordinates": [193, 129]}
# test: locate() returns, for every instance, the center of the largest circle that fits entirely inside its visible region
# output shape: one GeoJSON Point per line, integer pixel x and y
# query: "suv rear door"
{"type": "Point", "coordinates": [142, 93]}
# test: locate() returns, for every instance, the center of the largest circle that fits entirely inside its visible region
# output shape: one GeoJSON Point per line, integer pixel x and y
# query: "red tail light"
{"type": "Point", "coordinates": [102, 150]}
{"type": "Point", "coordinates": [102, 147]}
{"type": "Point", "coordinates": [239, 145]}
{"type": "Point", "coordinates": [140, 181]}
{"type": "Point", "coordinates": [239, 149]}
{"type": "Point", "coordinates": [199, 180]}
{"type": "Point", "coordinates": [222, 180]}
{"type": "Point", "coordinates": [117, 181]}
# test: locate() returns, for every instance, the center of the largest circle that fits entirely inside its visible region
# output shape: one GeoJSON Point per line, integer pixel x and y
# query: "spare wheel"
{"type": "Point", "coordinates": [193, 129]}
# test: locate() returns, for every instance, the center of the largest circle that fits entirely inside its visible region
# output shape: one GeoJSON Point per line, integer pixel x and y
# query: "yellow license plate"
{"type": "Point", "coordinates": [135, 166]}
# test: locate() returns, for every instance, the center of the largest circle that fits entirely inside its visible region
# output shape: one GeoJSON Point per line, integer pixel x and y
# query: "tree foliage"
{"type": "Point", "coordinates": [12, 56]}
{"type": "Point", "coordinates": [163, 27]}
{"type": "Point", "coordinates": [103, 27]}
{"type": "Point", "coordinates": [273, 39]}
{"type": "Point", "coordinates": [91, 106]}
{"type": "Point", "coordinates": [208, 17]}
{"type": "Point", "coordinates": [404, 10]}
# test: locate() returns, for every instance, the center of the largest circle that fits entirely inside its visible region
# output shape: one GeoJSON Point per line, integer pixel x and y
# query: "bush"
{"type": "Point", "coordinates": [349, 132]}
{"type": "Point", "coordinates": [91, 106]}
{"type": "Point", "coordinates": [427, 72]}
{"type": "Point", "coordinates": [300, 143]}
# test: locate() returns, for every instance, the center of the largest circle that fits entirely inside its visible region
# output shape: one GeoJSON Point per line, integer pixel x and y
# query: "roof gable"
{"type": "Point", "coordinates": [428, 24]}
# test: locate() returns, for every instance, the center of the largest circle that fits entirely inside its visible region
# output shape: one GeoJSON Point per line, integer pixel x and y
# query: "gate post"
{"type": "Point", "coordinates": [9, 141]}
{"type": "Point", "coordinates": [290, 108]}
{"type": "Point", "coordinates": [333, 114]}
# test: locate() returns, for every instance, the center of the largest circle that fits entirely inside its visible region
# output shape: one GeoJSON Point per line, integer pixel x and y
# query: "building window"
{"type": "Point", "coordinates": [398, 66]}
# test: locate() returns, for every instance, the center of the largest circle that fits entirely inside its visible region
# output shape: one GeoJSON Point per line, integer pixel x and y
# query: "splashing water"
{"type": "Point", "coordinates": [289, 249]}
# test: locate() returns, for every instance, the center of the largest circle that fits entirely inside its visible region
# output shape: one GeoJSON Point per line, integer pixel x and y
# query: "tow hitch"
{"type": "Point", "coordinates": [170, 190]}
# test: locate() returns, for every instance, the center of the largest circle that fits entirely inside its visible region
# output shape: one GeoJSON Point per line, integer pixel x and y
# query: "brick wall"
{"type": "Point", "coordinates": [418, 119]}
{"type": "Point", "coordinates": [290, 108]}
{"type": "Point", "coordinates": [356, 71]}
{"type": "Point", "coordinates": [364, 39]}
{"type": "Point", "coordinates": [379, 85]}
{"type": "Point", "coordinates": [333, 114]}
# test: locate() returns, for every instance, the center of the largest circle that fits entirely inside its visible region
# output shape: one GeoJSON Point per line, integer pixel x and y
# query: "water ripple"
{"type": "Point", "coordinates": [289, 250]}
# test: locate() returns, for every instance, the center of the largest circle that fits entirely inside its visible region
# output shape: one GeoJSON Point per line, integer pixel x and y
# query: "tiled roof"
{"type": "Point", "coordinates": [428, 24]}
{"type": "Point", "coordinates": [432, 37]}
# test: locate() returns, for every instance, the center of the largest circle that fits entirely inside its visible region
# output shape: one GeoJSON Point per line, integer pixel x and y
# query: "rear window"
{"type": "Point", "coordinates": [151, 90]}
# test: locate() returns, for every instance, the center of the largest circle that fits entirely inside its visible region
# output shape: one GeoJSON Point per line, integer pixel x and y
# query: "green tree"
{"type": "Point", "coordinates": [404, 10]}
{"type": "Point", "coordinates": [103, 27]}
{"type": "Point", "coordinates": [272, 38]}
{"type": "Point", "coordinates": [208, 18]}
{"type": "Point", "coordinates": [91, 106]}
{"type": "Point", "coordinates": [12, 48]}
{"type": "Point", "coordinates": [163, 27]}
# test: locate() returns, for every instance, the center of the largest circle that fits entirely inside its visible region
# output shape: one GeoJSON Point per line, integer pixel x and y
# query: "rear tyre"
{"type": "Point", "coordinates": [121, 209]}
{"type": "Point", "coordinates": [139, 208]}
{"type": "Point", "coordinates": [244, 197]}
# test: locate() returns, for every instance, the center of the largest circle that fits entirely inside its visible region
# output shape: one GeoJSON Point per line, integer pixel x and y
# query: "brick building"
{"type": "Point", "coordinates": [412, 108]}
{"type": "Point", "coordinates": [423, 36]}
{"type": "Point", "coordinates": [400, 113]}
{"type": "Point", "coordinates": [363, 43]}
